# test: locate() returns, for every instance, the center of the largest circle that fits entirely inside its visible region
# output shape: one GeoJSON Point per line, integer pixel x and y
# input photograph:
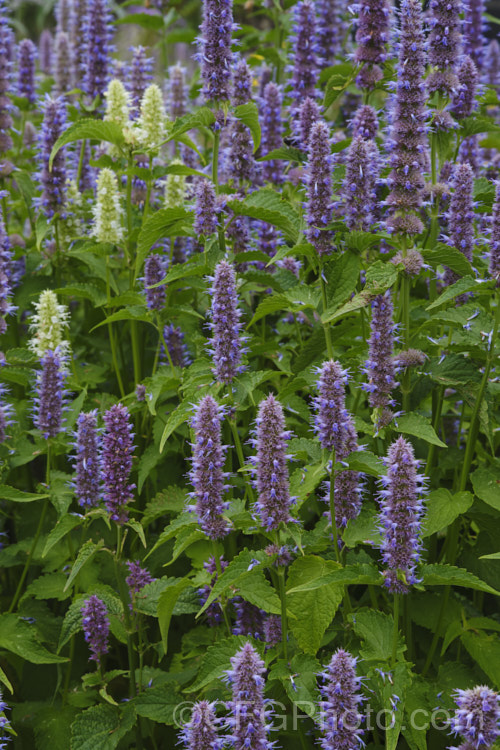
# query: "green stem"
{"type": "Point", "coordinates": [112, 342]}
{"type": "Point", "coordinates": [215, 179]}
{"type": "Point", "coordinates": [326, 326]}
{"type": "Point", "coordinates": [237, 442]}
{"type": "Point", "coordinates": [80, 165]}
{"type": "Point", "coordinates": [27, 565]}
{"type": "Point", "coordinates": [284, 621]}
{"type": "Point", "coordinates": [395, 633]}
{"type": "Point", "coordinates": [148, 191]}
{"type": "Point", "coordinates": [218, 567]}
{"type": "Point", "coordinates": [332, 510]}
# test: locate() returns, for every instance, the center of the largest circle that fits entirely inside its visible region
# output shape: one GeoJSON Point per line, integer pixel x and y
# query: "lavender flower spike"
{"type": "Point", "coordinates": [331, 29]}
{"type": "Point", "coordinates": [359, 184]}
{"type": "Point", "coordinates": [248, 715]}
{"type": "Point", "coordinates": [6, 306]}
{"type": "Point", "coordinates": [408, 133]}
{"type": "Point", "coordinates": [461, 216]}
{"type": "Point", "coordinates": [26, 82]}
{"type": "Point", "coordinates": [308, 113]}
{"type": "Point", "coordinates": [207, 474]}
{"type": "Point", "coordinates": [87, 461]}
{"type": "Point", "coordinates": [340, 719]}
{"type": "Point", "coordinates": [474, 38]}
{"type": "Point", "coordinates": [304, 56]}
{"type": "Point", "coordinates": [154, 271]}
{"type": "Point", "coordinates": [225, 326]}
{"type": "Point", "coordinates": [6, 166]}
{"type": "Point", "coordinates": [464, 101]}
{"type": "Point", "coordinates": [477, 718]}
{"type": "Point", "coordinates": [272, 131]}
{"type": "Point", "coordinates": [6, 414]}
{"type": "Point", "coordinates": [63, 71]}
{"type": "Point", "coordinates": [200, 733]}
{"type": "Point", "coordinates": [140, 76]}
{"type": "Point", "coordinates": [98, 32]}
{"type": "Point", "coordinates": [214, 44]}
{"type": "Point", "coordinates": [400, 515]}
{"type": "Point", "coordinates": [444, 46]}
{"type": "Point", "coordinates": [79, 40]}
{"type": "Point", "coordinates": [4, 724]}
{"type": "Point", "coordinates": [372, 37]}
{"type": "Point", "coordinates": [53, 180]}
{"type": "Point", "coordinates": [137, 578]}
{"type": "Point", "coordinates": [380, 366]}
{"type": "Point", "coordinates": [49, 401]}
{"type": "Point", "coordinates": [272, 483]}
{"type": "Point", "coordinates": [319, 188]}
{"type": "Point", "coordinates": [96, 627]}
{"type": "Point", "coordinates": [365, 122]}
{"type": "Point", "coordinates": [117, 462]}
{"type": "Point", "coordinates": [205, 209]}
{"type": "Point", "coordinates": [495, 238]}
{"type": "Point", "coordinates": [45, 50]}
{"type": "Point", "coordinates": [240, 157]}
{"type": "Point", "coordinates": [177, 349]}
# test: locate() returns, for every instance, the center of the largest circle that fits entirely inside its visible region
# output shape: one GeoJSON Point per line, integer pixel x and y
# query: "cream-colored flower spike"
{"type": "Point", "coordinates": [152, 120]}
{"type": "Point", "coordinates": [107, 209]}
{"type": "Point", "coordinates": [175, 188]}
{"type": "Point", "coordinates": [48, 325]}
{"type": "Point", "coordinates": [117, 109]}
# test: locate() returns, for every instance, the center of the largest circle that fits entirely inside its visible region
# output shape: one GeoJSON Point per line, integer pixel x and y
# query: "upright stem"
{"type": "Point", "coordinates": [326, 326]}
{"type": "Point", "coordinates": [112, 343]}
{"type": "Point", "coordinates": [282, 595]}
{"type": "Point", "coordinates": [237, 441]}
{"type": "Point", "coordinates": [218, 567]}
{"type": "Point", "coordinates": [215, 180]}
{"type": "Point", "coordinates": [395, 631]}
{"type": "Point", "coordinates": [27, 565]}
{"type": "Point", "coordinates": [332, 509]}
{"type": "Point", "coordinates": [405, 320]}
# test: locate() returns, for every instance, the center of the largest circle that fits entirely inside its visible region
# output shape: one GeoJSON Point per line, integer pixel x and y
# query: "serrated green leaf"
{"type": "Point", "coordinates": [486, 484]}
{"type": "Point", "coordinates": [201, 118]}
{"type": "Point", "coordinates": [376, 631]}
{"type": "Point", "coordinates": [180, 415]}
{"type": "Point", "coordinates": [267, 205]}
{"type": "Point", "coordinates": [420, 427]}
{"type": "Point", "coordinates": [18, 496]}
{"type": "Point", "coordinates": [361, 573]}
{"type": "Point", "coordinates": [442, 508]}
{"type": "Point", "coordinates": [485, 650]}
{"type": "Point", "coordinates": [101, 727]}
{"type": "Point", "coordinates": [248, 114]}
{"type": "Point", "coordinates": [444, 255]}
{"type": "Point", "coordinates": [96, 130]}
{"type": "Point", "coordinates": [320, 605]}
{"type": "Point", "coordinates": [158, 704]}
{"type": "Point", "coordinates": [20, 638]}
{"type": "Point", "coordinates": [236, 572]}
{"type": "Point", "coordinates": [217, 659]}
{"type": "Point", "coordinates": [53, 727]}
{"type": "Point", "coordinates": [163, 223]}
{"type": "Point", "coordinates": [299, 678]}
{"type": "Point", "coordinates": [257, 590]}
{"type": "Point", "coordinates": [449, 575]}
{"type": "Point", "coordinates": [86, 552]}
{"type": "Point", "coordinates": [467, 284]}
{"type": "Point", "coordinates": [62, 527]}
{"type": "Point", "coordinates": [166, 604]}
{"type": "Point", "coordinates": [363, 528]}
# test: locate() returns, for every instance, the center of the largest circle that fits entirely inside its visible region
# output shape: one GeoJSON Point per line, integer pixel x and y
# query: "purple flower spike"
{"type": "Point", "coordinates": [207, 472]}
{"type": "Point", "coordinates": [240, 153]}
{"type": "Point", "coordinates": [174, 339]}
{"type": "Point", "coordinates": [96, 627]}
{"type": "Point", "coordinates": [305, 62]}
{"type": "Point", "coordinates": [137, 578]}
{"type": "Point", "coordinates": [319, 189]}
{"type": "Point", "coordinates": [26, 80]}
{"type": "Point", "coordinates": [477, 718]}
{"type": "Point", "coordinates": [98, 30]}
{"type": "Point", "coordinates": [177, 94]}
{"type": "Point", "coordinates": [408, 133]}
{"type": "Point", "coordinates": [249, 619]}
{"type": "Point", "coordinates": [87, 461]}
{"type": "Point", "coordinates": [308, 114]}
{"type": "Point", "coordinates": [6, 142]}
{"type": "Point", "coordinates": [49, 401]}
{"type": "Point", "coordinates": [63, 72]}
{"type": "Point", "coordinates": [6, 280]}
{"type": "Point", "coordinates": [495, 238]}
{"type": "Point", "coordinates": [461, 216]}
{"type": "Point", "coordinates": [139, 77]}
{"type": "Point", "coordinates": [53, 180]}
{"type": "Point", "coordinates": [444, 46]}
{"type": "Point", "coordinates": [340, 719]}
{"type": "Point", "coordinates": [117, 462]}
{"type": "Point", "coordinates": [226, 343]}
{"type": "Point", "coordinates": [272, 630]}
{"type": "Point", "coordinates": [272, 483]}
{"type": "Point", "coordinates": [248, 715]}
{"type": "Point", "coordinates": [6, 414]}
{"type": "Point", "coordinates": [154, 271]}
{"type": "Point", "coordinates": [215, 54]}
{"type": "Point", "coordinates": [372, 37]}
{"type": "Point", "coordinates": [365, 122]}
{"type": "Point", "coordinates": [474, 27]}
{"type": "Point", "coordinates": [359, 184]}
{"type": "Point", "coordinates": [468, 77]}
{"type": "Point", "coordinates": [332, 29]}
{"type": "Point", "coordinates": [491, 72]}
{"type": "Point", "coordinates": [200, 733]}
{"type": "Point", "coordinates": [400, 515]}
{"type": "Point", "coordinates": [380, 366]}
{"type": "Point", "coordinates": [79, 41]}
{"type": "Point", "coordinates": [205, 209]}
{"type": "Point", "coordinates": [63, 15]}
{"type": "Point", "coordinates": [332, 420]}
{"type": "Point", "coordinates": [271, 123]}
{"type": "Point", "coordinates": [45, 49]}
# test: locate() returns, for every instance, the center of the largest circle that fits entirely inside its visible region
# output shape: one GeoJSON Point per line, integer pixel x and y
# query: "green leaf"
{"type": "Point", "coordinates": [86, 552]}
{"type": "Point", "coordinates": [145, 20]}
{"type": "Point", "coordinates": [444, 255]}
{"type": "Point", "coordinates": [376, 631]}
{"type": "Point", "coordinates": [20, 638]}
{"type": "Point", "coordinates": [238, 569]}
{"type": "Point", "coordinates": [486, 484]}
{"type": "Point", "coordinates": [485, 650]}
{"type": "Point", "coordinates": [401, 682]}
{"type": "Point", "coordinates": [202, 118]}
{"type": "Point", "coordinates": [442, 508]}
{"type": "Point", "coordinates": [63, 526]}
{"type": "Point", "coordinates": [18, 496]}
{"type": "Point", "coordinates": [53, 727]}
{"type": "Point", "coordinates": [361, 573]}
{"type": "Point", "coordinates": [269, 206]}
{"type": "Point", "coordinates": [342, 275]}
{"type": "Point", "coordinates": [257, 590]}
{"type": "Point", "coordinates": [101, 727]}
{"type": "Point", "coordinates": [134, 312]}
{"type": "Point", "coordinates": [340, 79]}
{"type": "Point", "coordinates": [299, 680]}
{"type": "Point", "coordinates": [320, 605]}
{"type": "Point", "coordinates": [478, 124]}
{"type": "Point", "coordinates": [5, 681]}
{"type": "Point", "coordinates": [249, 116]}
{"type": "Point", "coordinates": [363, 528]}
{"type": "Point", "coordinates": [449, 575]}
{"type": "Point", "coordinates": [96, 130]}
{"type": "Point", "coordinates": [467, 284]}
{"type": "Point", "coordinates": [163, 223]}
{"type": "Point", "coordinates": [180, 415]}
{"type": "Point", "coordinates": [366, 462]}
{"type": "Point", "coordinates": [158, 704]}
{"type": "Point", "coordinates": [166, 604]}
{"type": "Point", "coordinates": [217, 659]}
{"type": "Point", "coordinates": [419, 426]}
{"type": "Point", "coordinates": [48, 586]}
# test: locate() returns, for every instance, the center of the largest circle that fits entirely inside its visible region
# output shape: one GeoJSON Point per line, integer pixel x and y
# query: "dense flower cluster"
{"type": "Point", "coordinates": [95, 624]}
{"type": "Point", "coordinates": [226, 341]}
{"type": "Point", "coordinates": [87, 460]}
{"type": "Point", "coordinates": [319, 188]}
{"type": "Point", "coordinates": [117, 450]}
